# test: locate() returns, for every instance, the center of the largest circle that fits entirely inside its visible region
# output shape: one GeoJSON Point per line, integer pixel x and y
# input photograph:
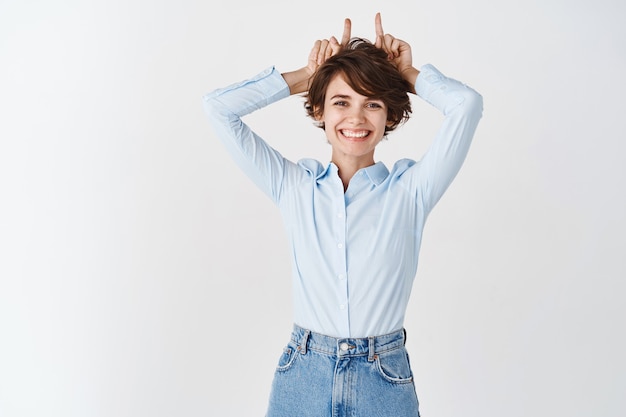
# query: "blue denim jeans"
{"type": "Point", "coordinates": [323, 376]}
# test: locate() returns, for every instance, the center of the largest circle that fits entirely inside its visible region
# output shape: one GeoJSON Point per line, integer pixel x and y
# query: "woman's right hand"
{"type": "Point", "coordinates": [325, 48]}
{"type": "Point", "coordinates": [298, 80]}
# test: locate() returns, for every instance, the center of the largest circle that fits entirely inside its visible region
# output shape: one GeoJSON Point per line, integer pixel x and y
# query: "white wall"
{"type": "Point", "coordinates": [142, 274]}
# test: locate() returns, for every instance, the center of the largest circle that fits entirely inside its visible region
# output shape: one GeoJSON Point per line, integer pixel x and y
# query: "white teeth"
{"type": "Point", "coordinates": [351, 134]}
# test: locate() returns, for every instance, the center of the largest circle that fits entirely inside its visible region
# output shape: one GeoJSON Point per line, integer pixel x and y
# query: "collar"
{"type": "Point", "coordinates": [376, 173]}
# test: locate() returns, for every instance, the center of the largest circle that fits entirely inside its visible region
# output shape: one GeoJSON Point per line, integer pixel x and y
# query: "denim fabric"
{"type": "Point", "coordinates": [323, 376]}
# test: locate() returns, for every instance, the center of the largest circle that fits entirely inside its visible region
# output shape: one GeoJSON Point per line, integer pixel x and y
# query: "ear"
{"type": "Point", "coordinates": [317, 114]}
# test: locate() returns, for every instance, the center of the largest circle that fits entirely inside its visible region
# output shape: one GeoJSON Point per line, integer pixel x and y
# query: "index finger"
{"type": "Point", "coordinates": [347, 29]}
{"type": "Point", "coordinates": [379, 26]}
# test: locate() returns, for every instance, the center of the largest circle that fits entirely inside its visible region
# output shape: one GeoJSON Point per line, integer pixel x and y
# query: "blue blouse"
{"type": "Point", "coordinates": [354, 253]}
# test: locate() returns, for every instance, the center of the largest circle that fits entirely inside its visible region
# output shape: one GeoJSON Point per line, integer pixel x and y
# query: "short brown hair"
{"type": "Point", "coordinates": [367, 70]}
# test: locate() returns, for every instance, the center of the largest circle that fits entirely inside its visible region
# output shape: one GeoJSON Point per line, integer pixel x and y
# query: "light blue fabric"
{"type": "Point", "coordinates": [354, 254]}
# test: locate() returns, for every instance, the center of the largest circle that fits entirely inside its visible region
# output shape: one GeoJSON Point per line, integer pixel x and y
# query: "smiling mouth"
{"type": "Point", "coordinates": [355, 134]}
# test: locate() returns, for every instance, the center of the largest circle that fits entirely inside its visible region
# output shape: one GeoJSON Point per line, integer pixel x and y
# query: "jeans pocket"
{"type": "Point", "coordinates": [286, 360]}
{"type": "Point", "coordinates": [394, 366]}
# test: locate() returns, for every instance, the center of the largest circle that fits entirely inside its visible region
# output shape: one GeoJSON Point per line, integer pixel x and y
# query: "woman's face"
{"type": "Point", "coordinates": [354, 124]}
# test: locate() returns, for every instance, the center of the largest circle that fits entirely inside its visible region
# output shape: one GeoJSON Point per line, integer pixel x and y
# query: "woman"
{"type": "Point", "coordinates": [354, 227]}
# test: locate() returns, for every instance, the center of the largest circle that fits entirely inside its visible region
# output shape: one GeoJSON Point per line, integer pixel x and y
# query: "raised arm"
{"type": "Point", "coordinates": [225, 108]}
{"type": "Point", "coordinates": [462, 109]}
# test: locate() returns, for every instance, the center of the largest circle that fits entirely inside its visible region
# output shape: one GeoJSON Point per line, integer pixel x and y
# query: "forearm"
{"type": "Point", "coordinates": [249, 95]}
{"type": "Point", "coordinates": [446, 94]}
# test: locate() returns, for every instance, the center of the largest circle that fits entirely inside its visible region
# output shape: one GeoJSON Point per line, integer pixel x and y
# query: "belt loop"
{"type": "Point", "coordinates": [372, 349]}
{"type": "Point", "coordinates": [304, 342]}
{"type": "Point", "coordinates": [404, 334]}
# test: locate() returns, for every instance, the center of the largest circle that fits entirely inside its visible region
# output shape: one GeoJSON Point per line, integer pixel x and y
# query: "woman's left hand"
{"type": "Point", "coordinates": [398, 51]}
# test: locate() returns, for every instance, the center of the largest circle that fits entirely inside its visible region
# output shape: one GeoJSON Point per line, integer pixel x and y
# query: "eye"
{"type": "Point", "coordinates": [340, 103]}
{"type": "Point", "coordinates": [374, 105]}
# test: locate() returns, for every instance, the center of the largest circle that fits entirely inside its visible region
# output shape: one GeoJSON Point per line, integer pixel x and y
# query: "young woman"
{"type": "Point", "coordinates": [354, 227]}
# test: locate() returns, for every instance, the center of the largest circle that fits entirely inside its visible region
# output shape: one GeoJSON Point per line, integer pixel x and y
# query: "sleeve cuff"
{"type": "Point", "coordinates": [428, 76]}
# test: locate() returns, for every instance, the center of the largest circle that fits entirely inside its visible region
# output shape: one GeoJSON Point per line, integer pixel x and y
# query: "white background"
{"type": "Point", "coordinates": [141, 274]}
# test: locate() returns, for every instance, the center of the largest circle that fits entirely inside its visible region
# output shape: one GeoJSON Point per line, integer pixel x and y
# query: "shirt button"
{"type": "Point", "coordinates": [341, 276]}
{"type": "Point", "coordinates": [343, 306]}
{"type": "Point", "coordinates": [339, 245]}
{"type": "Point", "coordinates": [344, 346]}
{"type": "Point", "coordinates": [340, 215]}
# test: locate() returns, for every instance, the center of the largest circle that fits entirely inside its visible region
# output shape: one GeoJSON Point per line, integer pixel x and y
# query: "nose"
{"type": "Point", "coordinates": [357, 115]}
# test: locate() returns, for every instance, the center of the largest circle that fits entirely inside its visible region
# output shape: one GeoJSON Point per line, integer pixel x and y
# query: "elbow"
{"type": "Point", "coordinates": [209, 104]}
{"type": "Point", "coordinates": [470, 104]}
{"type": "Point", "coordinates": [475, 103]}
{"type": "Point", "coordinates": [213, 109]}
{"type": "Point", "coordinates": [465, 101]}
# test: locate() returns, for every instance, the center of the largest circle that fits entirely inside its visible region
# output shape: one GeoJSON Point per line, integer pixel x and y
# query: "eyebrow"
{"type": "Point", "coordinates": [349, 97]}
{"type": "Point", "coordinates": [340, 96]}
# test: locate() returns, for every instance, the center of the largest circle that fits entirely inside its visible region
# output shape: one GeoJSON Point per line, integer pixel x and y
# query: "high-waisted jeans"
{"type": "Point", "coordinates": [323, 376]}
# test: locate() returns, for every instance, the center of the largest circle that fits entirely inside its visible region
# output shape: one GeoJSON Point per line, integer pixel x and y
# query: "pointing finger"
{"type": "Point", "coordinates": [379, 26]}
{"type": "Point", "coordinates": [347, 29]}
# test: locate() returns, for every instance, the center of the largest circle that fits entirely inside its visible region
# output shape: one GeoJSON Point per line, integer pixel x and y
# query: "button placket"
{"type": "Point", "coordinates": [339, 221]}
{"type": "Point", "coordinates": [340, 271]}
